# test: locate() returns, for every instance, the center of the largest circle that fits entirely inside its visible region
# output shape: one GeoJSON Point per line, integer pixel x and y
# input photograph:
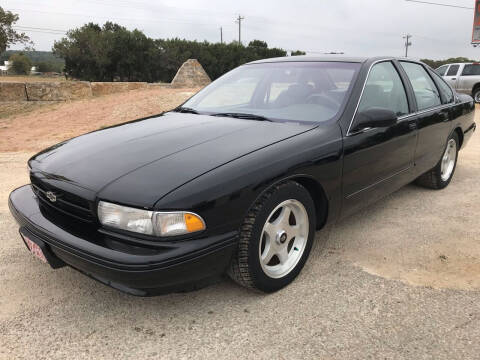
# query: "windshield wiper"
{"type": "Point", "coordinates": [187, 110]}
{"type": "Point", "coordinates": [243, 116]}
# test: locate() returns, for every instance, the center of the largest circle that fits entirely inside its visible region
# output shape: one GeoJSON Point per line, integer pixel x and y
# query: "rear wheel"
{"type": "Point", "coordinates": [476, 94]}
{"type": "Point", "coordinates": [275, 239]}
{"type": "Point", "coordinates": [440, 176]}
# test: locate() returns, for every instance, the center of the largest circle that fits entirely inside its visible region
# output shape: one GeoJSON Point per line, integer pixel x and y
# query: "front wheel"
{"type": "Point", "coordinates": [441, 175]}
{"type": "Point", "coordinates": [275, 239]}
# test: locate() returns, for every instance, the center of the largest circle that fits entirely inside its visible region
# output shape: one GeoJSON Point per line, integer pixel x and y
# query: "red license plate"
{"type": "Point", "coordinates": [35, 249]}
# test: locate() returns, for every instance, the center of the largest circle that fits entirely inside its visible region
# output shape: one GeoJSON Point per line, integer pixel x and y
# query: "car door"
{"type": "Point", "coordinates": [379, 159]}
{"type": "Point", "coordinates": [451, 76]}
{"type": "Point", "coordinates": [469, 77]}
{"type": "Point", "coordinates": [432, 116]}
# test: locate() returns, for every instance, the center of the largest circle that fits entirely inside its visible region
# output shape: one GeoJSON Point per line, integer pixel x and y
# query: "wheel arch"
{"type": "Point", "coordinates": [459, 132]}
{"type": "Point", "coordinates": [475, 87]}
{"type": "Point", "coordinates": [316, 191]}
{"type": "Point", "coordinates": [318, 196]}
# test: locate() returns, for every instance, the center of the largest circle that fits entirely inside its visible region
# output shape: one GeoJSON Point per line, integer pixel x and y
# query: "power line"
{"type": "Point", "coordinates": [440, 4]}
{"type": "Point", "coordinates": [20, 27]}
{"type": "Point", "coordinates": [112, 18]}
{"type": "Point", "coordinates": [40, 31]}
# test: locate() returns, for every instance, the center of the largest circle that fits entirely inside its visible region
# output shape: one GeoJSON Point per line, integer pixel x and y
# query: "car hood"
{"type": "Point", "coordinates": [139, 162]}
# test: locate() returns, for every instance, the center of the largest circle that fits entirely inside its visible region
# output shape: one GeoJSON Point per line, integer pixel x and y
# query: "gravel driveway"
{"type": "Point", "coordinates": [398, 280]}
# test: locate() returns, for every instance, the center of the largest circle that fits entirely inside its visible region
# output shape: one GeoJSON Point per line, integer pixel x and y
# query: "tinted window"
{"type": "Point", "coordinates": [444, 89]}
{"type": "Point", "coordinates": [442, 70]}
{"type": "Point", "coordinates": [384, 89]}
{"type": "Point", "coordinates": [471, 69]}
{"type": "Point", "coordinates": [296, 91]}
{"type": "Point", "coordinates": [426, 92]}
{"type": "Point", "coordinates": [453, 70]}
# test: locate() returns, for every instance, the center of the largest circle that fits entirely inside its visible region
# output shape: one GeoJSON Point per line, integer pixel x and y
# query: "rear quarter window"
{"type": "Point", "coordinates": [445, 90]}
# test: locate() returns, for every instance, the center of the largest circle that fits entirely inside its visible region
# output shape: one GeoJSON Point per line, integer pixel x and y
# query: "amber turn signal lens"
{"type": "Point", "coordinates": [193, 222]}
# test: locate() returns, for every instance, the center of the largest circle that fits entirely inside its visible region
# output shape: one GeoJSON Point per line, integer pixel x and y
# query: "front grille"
{"type": "Point", "coordinates": [65, 202]}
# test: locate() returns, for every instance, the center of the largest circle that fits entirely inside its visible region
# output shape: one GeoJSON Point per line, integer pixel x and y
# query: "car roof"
{"type": "Point", "coordinates": [331, 58]}
{"type": "Point", "coordinates": [306, 58]}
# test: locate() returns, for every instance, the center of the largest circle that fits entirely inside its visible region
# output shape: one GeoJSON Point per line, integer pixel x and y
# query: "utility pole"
{"type": "Point", "coordinates": [407, 43]}
{"type": "Point", "coordinates": [239, 21]}
{"type": "Point", "coordinates": [221, 35]}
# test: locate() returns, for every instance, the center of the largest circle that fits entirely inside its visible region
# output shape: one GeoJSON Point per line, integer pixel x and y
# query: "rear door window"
{"type": "Point", "coordinates": [471, 69]}
{"type": "Point", "coordinates": [453, 70]}
{"type": "Point", "coordinates": [426, 92]}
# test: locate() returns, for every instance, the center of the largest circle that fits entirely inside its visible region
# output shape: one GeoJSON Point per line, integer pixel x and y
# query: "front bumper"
{"type": "Point", "coordinates": [167, 267]}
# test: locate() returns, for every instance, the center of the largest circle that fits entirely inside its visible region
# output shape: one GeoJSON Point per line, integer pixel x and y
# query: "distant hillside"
{"type": "Point", "coordinates": [35, 56]}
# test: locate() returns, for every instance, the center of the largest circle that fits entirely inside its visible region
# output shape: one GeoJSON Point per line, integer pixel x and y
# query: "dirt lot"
{"type": "Point", "coordinates": [37, 128]}
{"type": "Point", "coordinates": [398, 280]}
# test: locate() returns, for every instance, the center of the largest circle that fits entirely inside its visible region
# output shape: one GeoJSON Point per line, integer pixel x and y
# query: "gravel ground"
{"type": "Point", "coordinates": [399, 280]}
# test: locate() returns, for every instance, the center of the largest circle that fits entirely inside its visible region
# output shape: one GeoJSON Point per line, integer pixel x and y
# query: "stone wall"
{"type": "Point", "coordinates": [58, 91]}
{"type": "Point", "coordinates": [191, 74]}
{"type": "Point", "coordinates": [10, 91]}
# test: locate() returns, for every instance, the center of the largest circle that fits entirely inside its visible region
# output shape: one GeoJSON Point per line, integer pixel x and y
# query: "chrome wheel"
{"type": "Point", "coordinates": [283, 238]}
{"type": "Point", "coordinates": [448, 160]}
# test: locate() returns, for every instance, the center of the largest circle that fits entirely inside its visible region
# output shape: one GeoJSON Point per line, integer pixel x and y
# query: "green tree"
{"type": "Point", "coordinates": [109, 53]}
{"type": "Point", "coordinates": [8, 35]}
{"type": "Point", "coordinates": [437, 63]}
{"type": "Point", "coordinates": [112, 52]}
{"type": "Point", "coordinates": [298, 52]}
{"type": "Point", "coordinates": [20, 64]}
{"type": "Point", "coordinates": [258, 44]}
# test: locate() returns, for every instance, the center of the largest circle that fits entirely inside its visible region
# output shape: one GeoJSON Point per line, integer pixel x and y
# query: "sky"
{"type": "Point", "coordinates": [355, 27]}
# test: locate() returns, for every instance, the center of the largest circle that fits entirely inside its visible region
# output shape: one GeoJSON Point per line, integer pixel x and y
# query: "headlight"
{"type": "Point", "coordinates": [149, 222]}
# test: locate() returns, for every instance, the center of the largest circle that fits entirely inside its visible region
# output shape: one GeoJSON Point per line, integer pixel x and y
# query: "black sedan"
{"type": "Point", "coordinates": [238, 179]}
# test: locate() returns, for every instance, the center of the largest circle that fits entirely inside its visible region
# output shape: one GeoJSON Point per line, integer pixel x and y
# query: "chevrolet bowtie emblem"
{"type": "Point", "coordinates": [51, 196]}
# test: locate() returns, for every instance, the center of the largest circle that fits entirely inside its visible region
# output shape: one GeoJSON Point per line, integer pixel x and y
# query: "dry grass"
{"type": "Point", "coordinates": [32, 78]}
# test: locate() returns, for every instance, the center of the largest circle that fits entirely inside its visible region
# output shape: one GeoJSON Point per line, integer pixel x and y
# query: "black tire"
{"type": "Point", "coordinates": [245, 268]}
{"type": "Point", "coordinates": [476, 94]}
{"type": "Point", "coordinates": [432, 179]}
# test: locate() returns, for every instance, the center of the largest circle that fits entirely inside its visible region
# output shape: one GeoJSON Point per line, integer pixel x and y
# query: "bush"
{"type": "Point", "coordinates": [20, 64]}
{"type": "Point", "coordinates": [45, 67]}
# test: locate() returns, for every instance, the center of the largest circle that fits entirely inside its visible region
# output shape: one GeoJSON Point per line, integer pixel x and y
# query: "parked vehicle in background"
{"type": "Point", "coordinates": [464, 78]}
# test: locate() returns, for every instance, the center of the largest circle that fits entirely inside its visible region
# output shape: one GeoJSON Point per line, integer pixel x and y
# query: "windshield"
{"type": "Point", "coordinates": [289, 91]}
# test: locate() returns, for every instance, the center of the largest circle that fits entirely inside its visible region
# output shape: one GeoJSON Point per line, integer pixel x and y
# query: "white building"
{"type": "Point", "coordinates": [4, 68]}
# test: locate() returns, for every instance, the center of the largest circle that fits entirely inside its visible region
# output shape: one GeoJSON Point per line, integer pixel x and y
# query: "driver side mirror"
{"type": "Point", "coordinates": [374, 118]}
